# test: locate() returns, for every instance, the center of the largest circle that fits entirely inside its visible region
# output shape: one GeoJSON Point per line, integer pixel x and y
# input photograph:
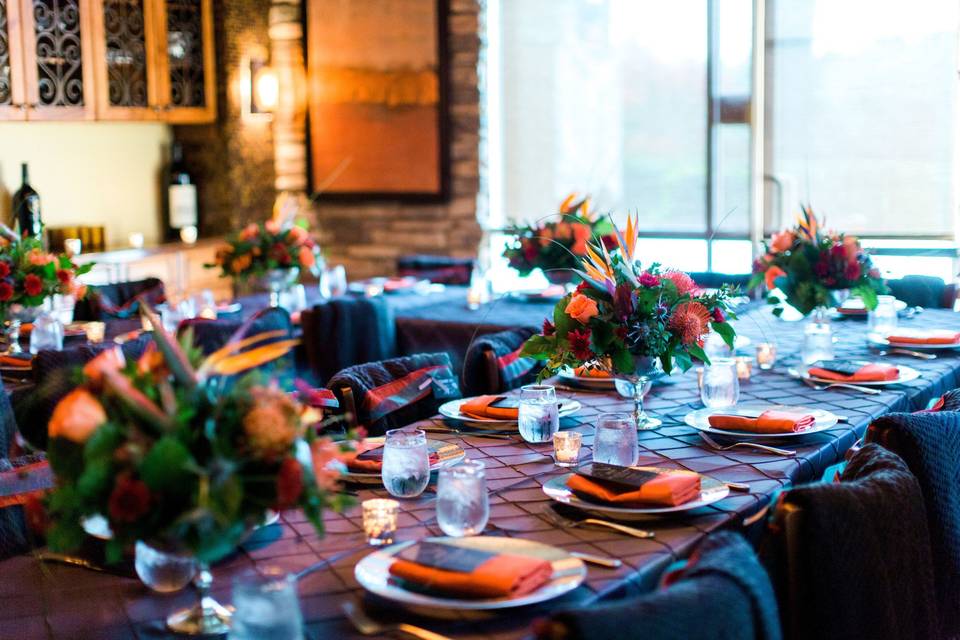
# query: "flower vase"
{"type": "Point", "coordinates": [16, 315]}
{"type": "Point", "coordinates": [207, 616]}
{"type": "Point", "coordinates": [274, 282]}
{"type": "Point", "coordinates": [636, 385]}
{"type": "Point", "coordinates": [817, 337]}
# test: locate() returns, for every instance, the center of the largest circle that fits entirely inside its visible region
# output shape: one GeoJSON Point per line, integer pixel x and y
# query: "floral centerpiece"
{"type": "Point", "coordinates": [556, 247]}
{"type": "Point", "coordinates": [815, 268]}
{"type": "Point", "coordinates": [171, 455]}
{"type": "Point", "coordinates": [629, 321]}
{"type": "Point", "coordinates": [29, 275]}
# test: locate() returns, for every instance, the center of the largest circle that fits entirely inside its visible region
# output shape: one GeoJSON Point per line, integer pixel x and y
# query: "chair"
{"type": "Point", "coordinates": [210, 335]}
{"type": "Point", "coordinates": [343, 332]}
{"type": "Point", "coordinates": [493, 363]}
{"type": "Point", "coordinates": [923, 291]}
{"type": "Point", "coordinates": [929, 443]}
{"type": "Point", "coordinates": [53, 379]}
{"type": "Point", "coordinates": [714, 280]}
{"type": "Point", "coordinates": [393, 393]}
{"type": "Point", "coordinates": [852, 559]}
{"type": "Point", "coordinates": [118, 300]}
{"type": "Point", "coordinates": [440, 269]}
{"type": "Point", "coordinates": [723, 593]}
{"type": "Point", "coordinates": [15, 536]}
{"type": "Point", "coordinates": [950, 401]}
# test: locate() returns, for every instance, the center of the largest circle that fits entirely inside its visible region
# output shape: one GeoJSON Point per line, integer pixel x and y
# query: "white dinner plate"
{"type": "Point", "coordinates": [854, 308]}
{"type": "Point", "coordinates": [373, 574]}
{"type": "Point", "coordinates": [587, 382]}
{"type": "Point", "coordinates": [699, 419]}
{"type": "Point", "coordinates": [879, 340]}
{"type": "Point", "coordinates": [906, 375]}
{"type": "Point", "coordinates": [449, 454]}
{"type": "Point", "coordinates": [451, 410]}
{"type": "Point", "coordinates": [711, 490]}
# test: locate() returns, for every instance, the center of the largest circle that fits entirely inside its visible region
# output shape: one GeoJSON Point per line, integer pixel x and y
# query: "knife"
{"type": "Point", "coordinates": [600, 561]}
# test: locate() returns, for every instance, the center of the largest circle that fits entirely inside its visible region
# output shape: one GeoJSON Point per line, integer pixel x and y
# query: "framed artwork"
{"type": "Point", "coordinates": [377, 107]}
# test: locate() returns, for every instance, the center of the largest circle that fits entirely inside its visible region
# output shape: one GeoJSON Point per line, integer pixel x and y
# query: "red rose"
{"type": "Point", "coordinates": [64, 276]}
{"type": "Point", "coordinates": [717, 315]}
{"type": "Point", "coordinates": [821, 268]}
{"type": "Point", "coordinates": [530, 252]}
{"type": "Point", "coordinates": [647, 279]}
{"type": "Point", "coordinates": [582, 287]}
{"type": "Point", "coordinates": [4, 268]}
{"type": "Point", "coordinates": [580, 344]}
{"type": "Point", "coordinates": [6, 290]}
{"type": "Point", "coordinates": [289, 484]}
{"type": "Point", "coordinates": [280, 254]}
{"type": "Point", "coordinates": [33, 285]}
{"type": "Point", "coordinates": [852, 272]}
{"type": "Point", "coordinates": [129, 500]}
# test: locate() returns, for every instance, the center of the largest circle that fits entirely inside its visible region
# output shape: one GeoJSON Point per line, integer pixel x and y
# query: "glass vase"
{"type": "Point", "coordinates": [636, 385]}
{"type": "Point", "coordinates": [207, 616]}
{"type": "Point", "coordinates": [278, 281]}
{"type": "Point", "coordinates": [817, 337]}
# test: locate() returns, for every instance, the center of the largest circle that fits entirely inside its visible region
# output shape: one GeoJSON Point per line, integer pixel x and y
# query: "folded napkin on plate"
{"type": "Point", "coordinates": [484, 407]}
{"type": "Point", "coordinates": [22, 361]}
{"type": "Point", "coordinates": [851, 372]}
{"type": "Point", "coordinates": [586, 372]}
{"type": "Point", "coordinates": [919, 336]}
{"type": "Point", "coordinates": [369, 459]}
{"type": "Point", "coordinates": [471, 573]}
{"type": "Point", "coordinates": [770, 421]}
{"type": "Point", "coordinates": [398, 284]}
{"type": "Point", "coordinates": [667, 489]}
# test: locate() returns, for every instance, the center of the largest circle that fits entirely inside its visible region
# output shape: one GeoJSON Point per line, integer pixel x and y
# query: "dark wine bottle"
{"type": "Point", "coordinates": [181, 210]}
{"type": "Point", "coordinates": [26, 208]}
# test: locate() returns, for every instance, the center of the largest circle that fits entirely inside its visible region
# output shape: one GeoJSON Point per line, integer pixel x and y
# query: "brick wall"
{"type": "Point", "coordinates": [232, 159]}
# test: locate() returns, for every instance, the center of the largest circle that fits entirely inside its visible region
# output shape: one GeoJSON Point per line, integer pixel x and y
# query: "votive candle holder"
{"type": "Point", "coordinates": [380, 520]}
{"type": "Point", "coordinates": [566, 448]}
{"type": "Point", "coordinates": [766, 355]}
{"type": "Point", "coordinates": [743, 368]}
{"type": "Point", "coordinates": [95, 332]}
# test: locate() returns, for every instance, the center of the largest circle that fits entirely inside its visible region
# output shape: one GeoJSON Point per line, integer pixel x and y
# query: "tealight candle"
{"type": "Point", "coordinates": [380, 520]}
{"type": "Point", "coordinates": [188, 234]}
{"type": "Point", "coordinates": [95, 332]}
{"type": "Point", "coordinates": [136, 240]}
{"type": "Point", "coordinates": [566, 448]}
{"type": "Point", "coordinates": [72, 246]}
{"type": "Point", "coordinates": [474, 299]}
{"type": "Point", "coordinates": [743, 368]}
{"type": "Point", "coordinates": [766, 355]}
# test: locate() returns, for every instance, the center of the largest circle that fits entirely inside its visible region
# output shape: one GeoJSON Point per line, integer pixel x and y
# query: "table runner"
{"type": "Point", "coordinates": [61, 602]}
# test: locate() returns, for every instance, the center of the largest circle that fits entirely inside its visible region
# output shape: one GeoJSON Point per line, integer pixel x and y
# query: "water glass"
{"type": "Point", "coordinates": [162, 571]}
{"type": "Point", "coordinates": [817, 341]}
{"type": "Point", "coordinates": [266, 606]}
{"type": "Point", "coordinates": [47, 333]}
{"type": "Point", "coordinates": [538, 416]}
{"type": "Point", "coordinates": [721, 387]}
{"type": "Point", "coordinates": [63, 306]}
{"type": "Point", "coordinates": [463, 506]}
{"type": "Point", "coordinates": [883, 319]}
{"type": "Point", "coordinates": [406, 463]}
{"type": "Point", "coordinates": [294, 299]}
{"type": "Point", "coordinates": [615, 441]}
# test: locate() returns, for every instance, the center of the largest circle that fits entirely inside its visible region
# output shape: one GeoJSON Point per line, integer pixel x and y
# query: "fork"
{"type": "Point", "coordinates": [368, 627]}
{"type": "Point", "coordinates": [840, 385]}
{"type": "Point", "coordinates": [713, 444]}
{"type": "Point", "coordinates": [567, 523]}
{"type": "Point", "coordinates": [908, 352]}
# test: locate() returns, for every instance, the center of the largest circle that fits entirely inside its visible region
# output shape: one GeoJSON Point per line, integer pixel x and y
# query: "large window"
{"type": "Point", "coordinates": [649, 107]}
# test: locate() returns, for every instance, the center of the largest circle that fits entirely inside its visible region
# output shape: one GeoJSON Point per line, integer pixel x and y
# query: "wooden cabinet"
{"type": "Point", "coordinates": [107, 59]}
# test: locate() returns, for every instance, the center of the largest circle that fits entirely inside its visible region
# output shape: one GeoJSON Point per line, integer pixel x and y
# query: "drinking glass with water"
{"type": "Point", "coordinates": [267, 607]}
{"type": "Point", "coordinates": [883, 319]}
{"type": "Point", "coordinates": [462, 503]}
{"type": "Point", "coordinates": [721, 387]}
{"type": "Point", "coordinates": [615, 440]}
{"type": "Point", "coordinates": [538, 416]}
{"type": "Point", "coordinates": [406, 463]}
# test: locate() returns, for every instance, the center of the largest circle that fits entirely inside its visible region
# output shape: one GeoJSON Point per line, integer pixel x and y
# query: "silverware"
{"type": "Point", "coordinates": [738, 486]}
{"type": "Point", "coordinates": [600, 561]}
{"type": "Point", "coordinates": [369, 627]}
{"type": "Point", "coordinates": [833, 385]}
{"type": "Point", "coordinates": [45, 555]}
{"type": "Point", "coordinates": [316, 566]}
{"type": "Point", "coordinates": [907, 352]}
{"type": "Point", "coordinates": [713, 444]}
{"type": "Point", "coordinates": [643, 534]}
{"type": "Point", "coordinates": [479, 434]}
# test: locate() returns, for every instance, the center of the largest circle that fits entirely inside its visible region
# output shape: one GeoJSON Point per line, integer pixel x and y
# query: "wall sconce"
{"type": "Point", "coordinates": [259, 87]}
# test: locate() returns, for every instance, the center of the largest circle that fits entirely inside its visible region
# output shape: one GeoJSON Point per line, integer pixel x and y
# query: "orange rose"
{"type": "Point", "coordinates": [564, 231]}
{"type": "Point", "coordinates": [581, 308]}
{"type": "Point", "coordinates": [240, 263]}
{"type": "Point", "coordinates": [581, 234]}
{"type": "Point", "coordinates": [297, 235]}
{"type": "Point", "coordinates": [249, 232]}
{"type": "Point", "coordinates": [307, 259]}
{"type": "Point", "coordinates": [109, 360]}
{"type": "Point", "coordinates": [39, 258]}
{"type": "Point", "coordinates": [76, 416]}
{"type": "Point", "coordinates": [272, 226]}
{"type": "Point", "coordinates": [771, 275]}
{"type": "Point", "coordinates": [782, 241]}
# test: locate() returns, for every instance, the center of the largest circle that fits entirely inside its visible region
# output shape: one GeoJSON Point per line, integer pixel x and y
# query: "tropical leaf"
{"type": "Point", "coordinates": [233, 347]}
{"type": "Point", "coordinates": [136, 401]}
{"type": "Point", "coordinates": [174, 356]}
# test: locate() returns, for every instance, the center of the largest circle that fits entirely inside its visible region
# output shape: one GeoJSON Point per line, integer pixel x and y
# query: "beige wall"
{"type": "Point", "coordinates": [88, 173]}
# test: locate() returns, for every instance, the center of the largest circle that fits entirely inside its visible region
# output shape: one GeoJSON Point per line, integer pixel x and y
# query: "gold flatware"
{"type": "Point", "coordinates": [738, 486]}
{"type": "Point", "coordinates": [368, 627]}
{"type": "Point", "coordinates": [643, 534]}
{"type": "Point", "coordinates": [600, 561]}
{"type": "Point", "coordinates": [908, 352]}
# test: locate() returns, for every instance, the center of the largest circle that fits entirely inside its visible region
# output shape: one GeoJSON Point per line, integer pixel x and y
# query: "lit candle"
{"type": "Point", "coordinates": [743, 368]}
{"type": "Point", "coordinates": [136, 240]}
{"type": "Point", "coordinates": [474, 298]}
{"type": "Point", "coordinates": [766, 355]}
{"type": "Point", "coordinates": [380, 520]}
{"type": "Point", "coordinates": [188, 234]}
{"type": "Point", "coordinates": [566, 448]}
{"type": "Point", "coordinates": [72, 246]}
{"type": "Point", "coordinates": [95, 332]}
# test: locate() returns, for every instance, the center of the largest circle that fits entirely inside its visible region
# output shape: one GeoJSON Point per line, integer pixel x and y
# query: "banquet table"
{"type": "Point", "coordinates": [52, 601]}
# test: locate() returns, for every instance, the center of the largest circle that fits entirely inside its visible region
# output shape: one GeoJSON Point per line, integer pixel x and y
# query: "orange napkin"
{"type": "Point", "coordinates": [397, 284]}
{"type": "Point", "coordinates": [934, 336]}
{"type": "Point", "coordinates": [667, 489]}
{"type": "Point", "coordinates": [479, 407]}
{"type": "Point", "coordinates": [585, 372]}
{"type": "Point", "coordinates": [17, 362]}
{"type": "Point", "coordinates": [500, 576]}
{"type": "Point", "coordinates": [866, 373]}
{"type": "Point", "coordinates": [372, 465]}
{"type": "Point", "coordinates": [770, 421]}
